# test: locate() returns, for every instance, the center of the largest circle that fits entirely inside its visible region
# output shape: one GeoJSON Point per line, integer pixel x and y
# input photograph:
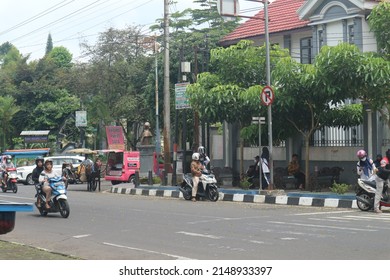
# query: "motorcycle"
{"type": "Point", "coordinates": [365, 195]}
{"type": "Point", "coordinates": [58, 200]}
{"type": "Point", "coordinates": [207, 187]}
{"type": "Point", "coordinates": [72, 177]}
{"type": "Point", "coordinates": [12, 179]}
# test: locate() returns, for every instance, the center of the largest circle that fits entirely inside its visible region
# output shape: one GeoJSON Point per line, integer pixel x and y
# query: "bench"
{"type": "Point", "coordinates": [283, 180]}
{"type": "Point", "coordinates": [325, 177]}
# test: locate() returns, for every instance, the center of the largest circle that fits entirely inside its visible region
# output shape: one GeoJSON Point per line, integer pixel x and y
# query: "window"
{"type": "Point", "coordinates": [287, 42]}
{"type": "Point", "coordinates": [321, 40]}
{"type": "Point", "coordinates": [351, 34]}
{"type": "Point", "coordinates": [306, 51]}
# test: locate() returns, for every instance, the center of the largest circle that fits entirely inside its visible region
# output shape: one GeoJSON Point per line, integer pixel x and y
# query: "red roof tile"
{"type": "Point", "coordinates": [282, 16]}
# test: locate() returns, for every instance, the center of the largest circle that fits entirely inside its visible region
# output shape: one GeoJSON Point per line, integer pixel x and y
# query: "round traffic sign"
{"type": "Point", "coordinates": [267, 95]}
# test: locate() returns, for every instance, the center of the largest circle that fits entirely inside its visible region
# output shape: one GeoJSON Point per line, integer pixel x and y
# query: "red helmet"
{"type": "Point", "coordinates": [361, 154]}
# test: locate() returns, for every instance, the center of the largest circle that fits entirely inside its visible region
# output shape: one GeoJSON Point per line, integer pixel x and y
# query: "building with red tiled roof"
{"type": "Point", "coordinates": [304, 26]}
{"type": "Point", "coordinates": [282, 17]}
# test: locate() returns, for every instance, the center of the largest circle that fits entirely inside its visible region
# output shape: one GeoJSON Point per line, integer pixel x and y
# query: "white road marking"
{"type": "Point", "coordinates": [321, 226]}
{"type": "Point", "coordinates": [288, 238]}
{"type": "Point", "coordinates": [199, 235]}
{"type": "Point", "coordinates": [147, 251]}
{"type": "Point", "coordinates": [82, 236]}
{"type": "Point", "coordinates": [257, 242]}
{"type": "Point", "coordinates": [320, 213]}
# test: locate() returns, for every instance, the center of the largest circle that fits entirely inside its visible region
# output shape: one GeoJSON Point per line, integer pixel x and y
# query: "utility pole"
{"type": "Point", "coordinates": [167, 111]}
{"type": "Point", "coordinates": [158, 140]}
{"type": "Point", "coordinates": [268, 74]}
{"type": "Point", "coordinates": [196, 114]}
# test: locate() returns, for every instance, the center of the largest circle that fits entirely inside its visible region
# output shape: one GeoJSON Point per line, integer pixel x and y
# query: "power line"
{"type": "Point", "coordinates": [37, 16]}
{"type": "Point", "coordinates": [58, 20]}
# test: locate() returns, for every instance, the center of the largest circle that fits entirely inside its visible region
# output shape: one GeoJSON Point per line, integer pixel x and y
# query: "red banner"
{"type": "Point", "coordinates": [115, 137]}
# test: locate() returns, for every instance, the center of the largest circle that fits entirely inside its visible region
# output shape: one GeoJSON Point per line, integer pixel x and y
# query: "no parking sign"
{"type": "Point", "coordinates": [267, 95]}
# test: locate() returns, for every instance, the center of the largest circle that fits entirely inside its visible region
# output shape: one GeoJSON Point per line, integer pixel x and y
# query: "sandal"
{"type": "Point", "coordinates": [193, 199]}
{"type": "Point", "coordinates": [47, 206]}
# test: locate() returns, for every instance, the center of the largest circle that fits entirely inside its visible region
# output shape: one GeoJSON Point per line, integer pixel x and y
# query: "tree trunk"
{"type": "Point", "coordinates": [307, 160]}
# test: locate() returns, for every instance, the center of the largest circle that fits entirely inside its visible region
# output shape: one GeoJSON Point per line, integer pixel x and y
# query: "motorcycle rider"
{"type": "Point", "coordinates": [4, 166]}
{"type": "Point", "coordinates": [196, 171]}
{"type": "Point", "coordinates": [365, 166]}
{"type": "Point", "coordinates": [203, 158]}
{"type": "Point", "coordinates": [38, 169]}
{"type": "Point", "coordinates": [382, 174]}
{"type": "Point", "coordinates": [47, 173]}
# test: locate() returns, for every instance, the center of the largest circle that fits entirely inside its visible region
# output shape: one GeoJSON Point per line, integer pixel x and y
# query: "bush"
{"type": "Point", "coordinates": [244, 184]}
{"type": "Point", "coordinates": [144, 180]}
{"type": "Point", "coordinates": [340, 188]}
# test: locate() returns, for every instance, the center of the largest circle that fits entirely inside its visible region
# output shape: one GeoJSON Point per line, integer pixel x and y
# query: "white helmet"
{"type": "Point", "coordinates": [195, 156]}
{"type": "Point", "coordinates": [201, 150]}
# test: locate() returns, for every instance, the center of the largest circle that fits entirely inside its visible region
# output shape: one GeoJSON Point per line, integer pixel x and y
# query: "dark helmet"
{"type": "Point", "coordinates": [39, 158]}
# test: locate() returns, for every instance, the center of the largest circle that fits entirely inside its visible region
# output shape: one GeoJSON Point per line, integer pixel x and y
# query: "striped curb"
{"type": "Point", "coordinates": [251, 198]}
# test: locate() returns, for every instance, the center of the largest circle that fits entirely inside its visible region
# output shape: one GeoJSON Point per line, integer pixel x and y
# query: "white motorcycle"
{"type": "Point", "coordinates": [207, 187]}
{"type": "Point", "coordinates": [365, 195]}
{"type": "Point", "coordinates": [58, 200]}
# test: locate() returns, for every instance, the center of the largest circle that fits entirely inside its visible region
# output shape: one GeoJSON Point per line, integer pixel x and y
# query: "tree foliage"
{"type": "Point", "coordinates": [379, 22]}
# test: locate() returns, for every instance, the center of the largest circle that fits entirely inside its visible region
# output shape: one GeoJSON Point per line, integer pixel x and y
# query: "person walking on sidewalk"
{"type": "Point", "coordinates": [196, 171]}
{"type": "Point", "coordinates": [264, 160]}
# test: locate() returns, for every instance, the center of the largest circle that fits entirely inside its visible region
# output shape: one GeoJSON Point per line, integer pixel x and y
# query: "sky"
{"type": "Point", "coordinates": [26, 24]}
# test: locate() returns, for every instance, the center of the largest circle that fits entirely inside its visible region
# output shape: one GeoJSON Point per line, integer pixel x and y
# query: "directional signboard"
{"type": "Point", "coordinates": [267, 96]}
{"type": "Point", "coordinates": [181, 97]}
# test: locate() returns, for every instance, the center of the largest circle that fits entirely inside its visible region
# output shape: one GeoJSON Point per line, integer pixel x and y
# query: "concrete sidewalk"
{"type": "Point", "coordinates": [294, 197]}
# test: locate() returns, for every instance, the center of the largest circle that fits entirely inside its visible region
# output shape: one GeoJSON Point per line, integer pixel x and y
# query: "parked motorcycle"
{"type": "Point", "coordinates": [207, 187]}
{"type": "Point", "coordinates": [58, 200]}
{"type": "Point", "coordinates": [12, 179]}
{"type": "Point", "coordinates": [365, 195]}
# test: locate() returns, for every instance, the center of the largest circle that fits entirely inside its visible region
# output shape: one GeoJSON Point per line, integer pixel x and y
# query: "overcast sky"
{"type": "Point", "coordinates": [27, 23]}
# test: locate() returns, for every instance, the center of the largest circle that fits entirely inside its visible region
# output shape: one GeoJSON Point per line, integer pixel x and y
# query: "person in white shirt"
{"type": "Point", "coordinates": [47, 173]}
{"type": "Point", "coordinates": [265, 171]}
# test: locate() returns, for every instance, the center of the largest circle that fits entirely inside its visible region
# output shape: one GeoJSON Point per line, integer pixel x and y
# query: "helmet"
{"type": "Point", "coordinates": [201, 150]}
{"type": "Point", "coordinates": [47, 161]}
{"type": "Point", "coordinates": [361, 154]}
{"type": "Point", "coordinates": [8, 158]}
{"type": "Point", "coordinates": [195, 156]}
{"type": "Point", "coordinates": [39, 158]}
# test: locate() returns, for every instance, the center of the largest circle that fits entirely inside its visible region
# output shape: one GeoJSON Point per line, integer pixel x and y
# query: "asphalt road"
{"type": "Point", "coordinates": [106, 226]}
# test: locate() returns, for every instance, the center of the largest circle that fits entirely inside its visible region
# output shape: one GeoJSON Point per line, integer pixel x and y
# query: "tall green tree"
{"type": "Point", "coordinates": [8, 109]}
{"type": "Point", "coordinates": [49, 44]}
{"type": "Point", "coordinates": [116, 77]}
{"type": "Point", "coordinates": [379, 22]}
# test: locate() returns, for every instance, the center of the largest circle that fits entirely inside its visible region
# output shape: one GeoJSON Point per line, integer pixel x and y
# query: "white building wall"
{"type": "Point", "coordinates": [369, 41]}
{"type": "Point", "coordinates": [334, 35]}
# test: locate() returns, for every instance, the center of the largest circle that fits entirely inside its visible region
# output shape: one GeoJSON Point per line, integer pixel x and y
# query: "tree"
{"type": "Point", "coordinates": [61, 57]}
{"type": "Point", "coordinates": [8, 109]}
{"type": "Point", "coordinates": [312, 96]}
{"type": "Point", "coordinates": [379, 22]}
{"type": "Point", "coordinates": [49, 44]}
{"type": "Point", "coordinates": [115, 80]}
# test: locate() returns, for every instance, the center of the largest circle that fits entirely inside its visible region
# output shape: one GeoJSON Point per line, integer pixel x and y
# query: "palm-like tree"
{"type": "Point", "coordinates": [8, 109]}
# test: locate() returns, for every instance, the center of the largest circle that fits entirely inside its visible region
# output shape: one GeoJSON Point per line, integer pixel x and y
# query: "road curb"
{"type": "Point", "coordinates": [303, 200]}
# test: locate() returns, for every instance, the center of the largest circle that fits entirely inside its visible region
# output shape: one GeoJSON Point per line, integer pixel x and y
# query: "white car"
{"type": "Point", "coordinates": [25, 172]}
